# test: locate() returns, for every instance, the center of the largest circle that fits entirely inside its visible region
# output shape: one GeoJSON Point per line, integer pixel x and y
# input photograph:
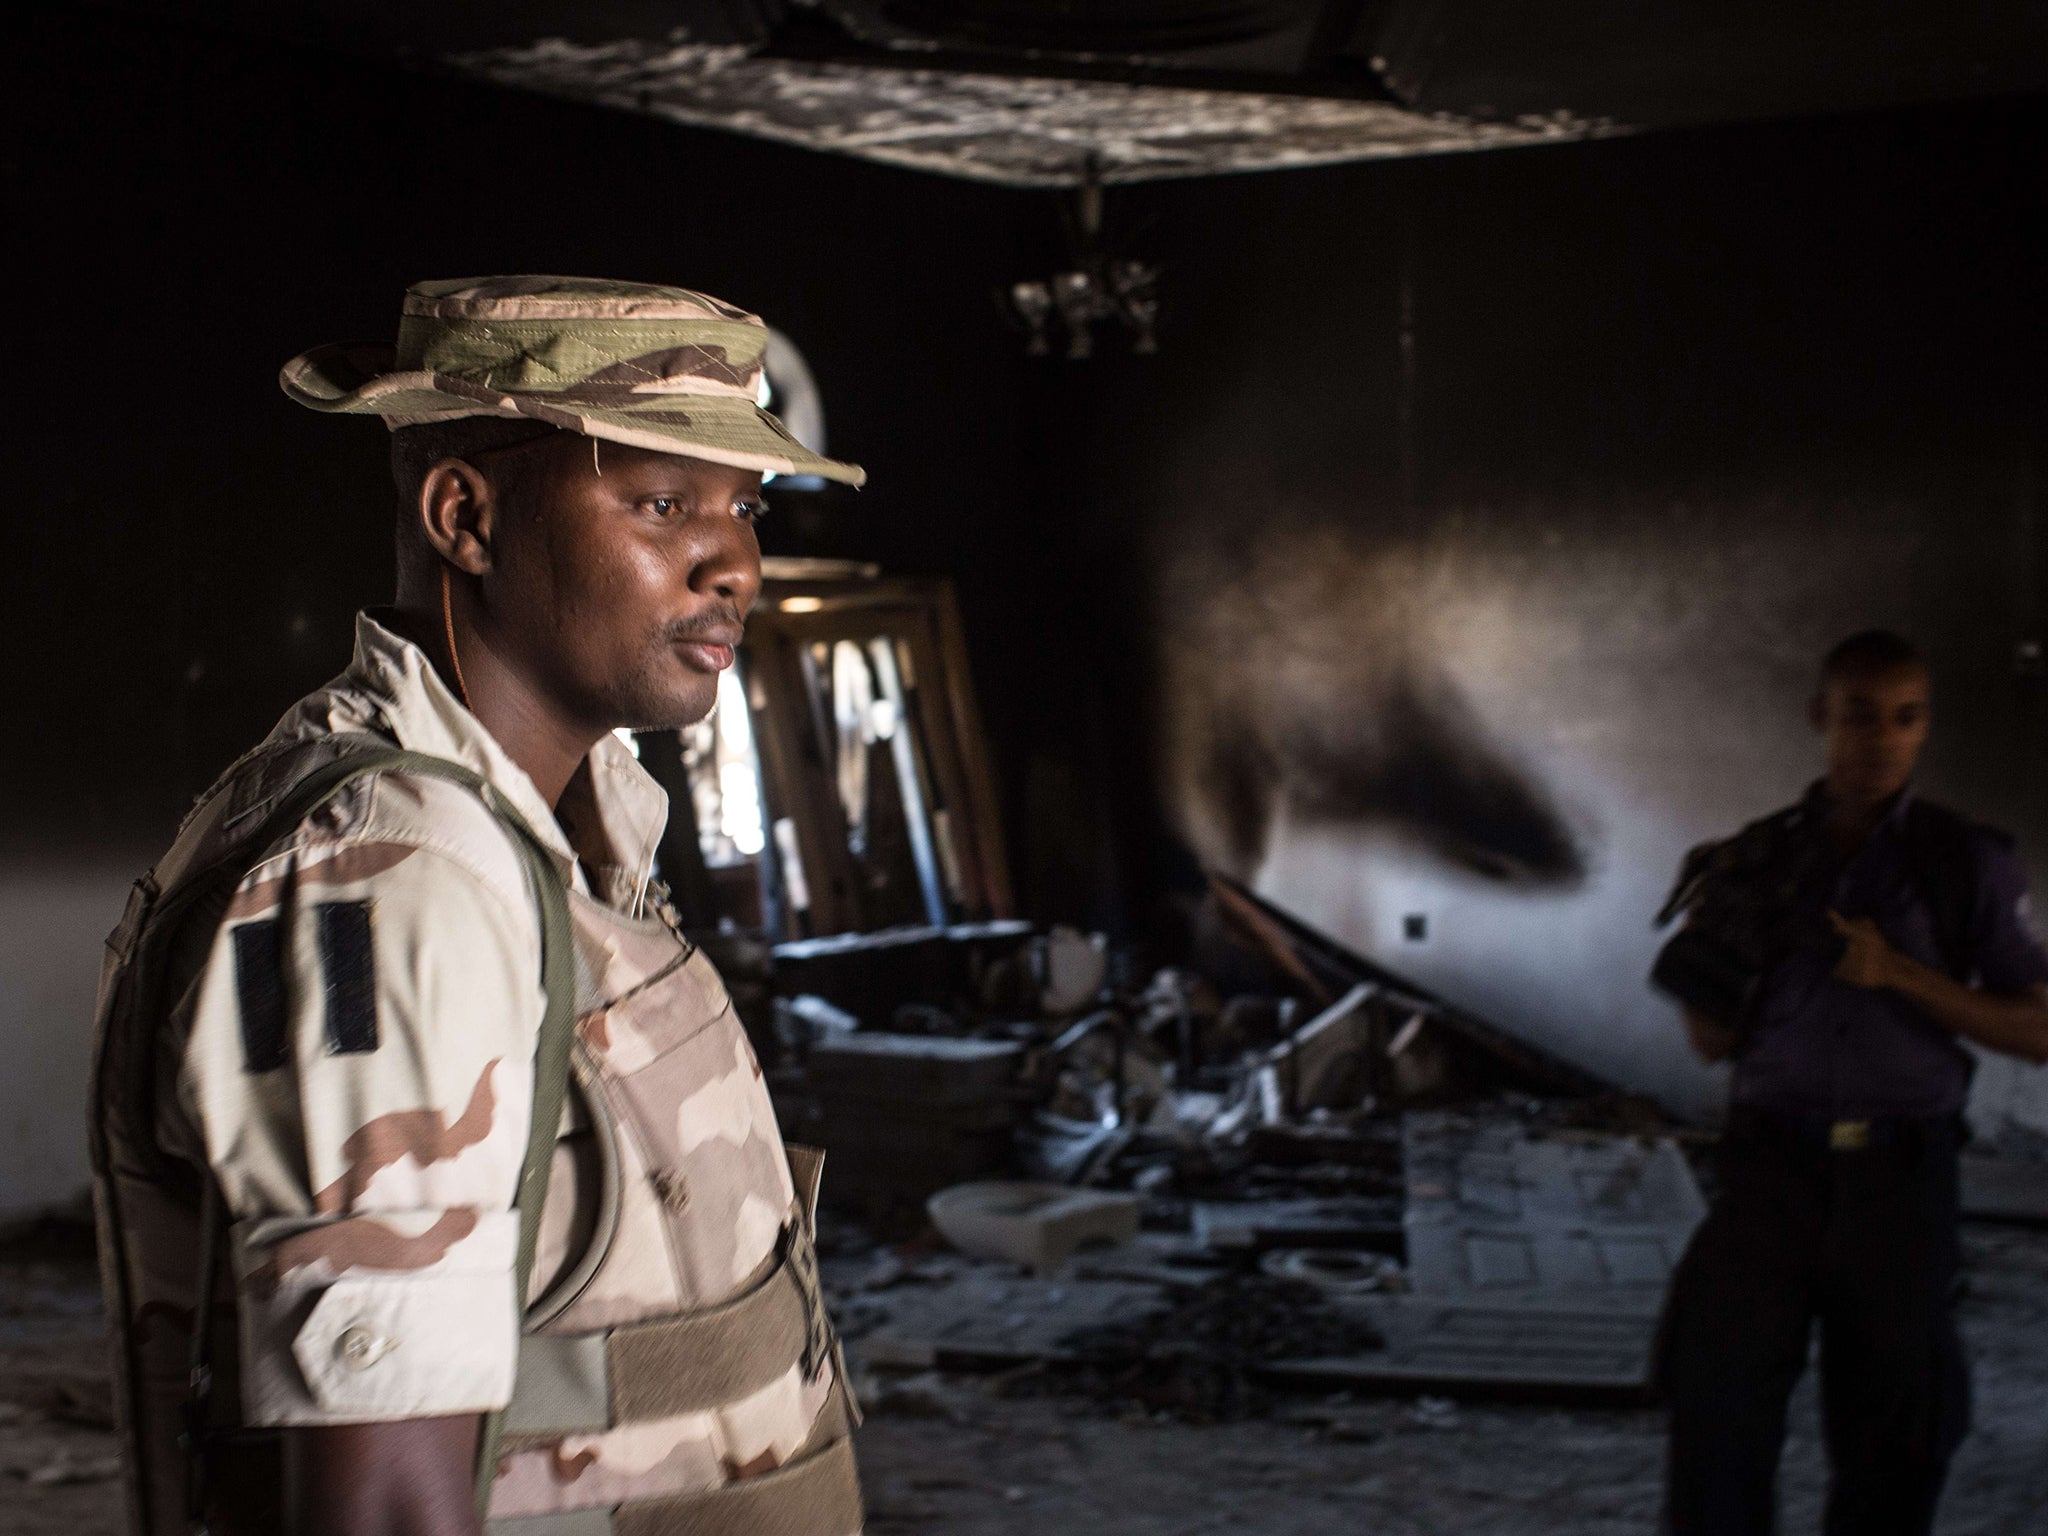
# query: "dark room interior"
{"type": "Point", "coordinates": [1491, 421]}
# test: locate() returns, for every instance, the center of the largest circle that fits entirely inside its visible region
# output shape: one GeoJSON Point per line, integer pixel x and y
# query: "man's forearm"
{"type": "Point", "coordinates": [2016, 1026]}
{"type": "Point", "coordinates": [409, 1478]}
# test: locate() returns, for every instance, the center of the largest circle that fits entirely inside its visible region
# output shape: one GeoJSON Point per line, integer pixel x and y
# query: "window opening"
{"type": "Point", "coordinates": [724, 773]}
{"type": "Point", "coordinates": [881, 786]}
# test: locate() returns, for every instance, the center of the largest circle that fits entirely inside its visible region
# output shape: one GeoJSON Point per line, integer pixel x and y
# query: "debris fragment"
{"type": "Point", "coordinates": [64, 1469]}
{"type": "Point", "coordinates": [1338, 1271]}
{"type": "Point", "coordinates": [1036, 1225]}
{"type": "Point", "coordinates": [923, 1396]}
{"type": "Point", "coordinates": [1434, 1413]}
{"type": "Point", "coordinates": [1326, 1063]}
{"type": "Point", "coordinates": [803, 1021]}
{"type": "Point", "coordinates": [1072, 968]}
{"type": "Point", "coordinates": [1344, 1222]}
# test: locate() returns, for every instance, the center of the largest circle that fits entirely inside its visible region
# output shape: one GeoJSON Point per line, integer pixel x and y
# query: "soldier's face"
{"type": "Point", "coordinates": [624, 579]}
{"type": "Point", "coordinates": [1875, 727]}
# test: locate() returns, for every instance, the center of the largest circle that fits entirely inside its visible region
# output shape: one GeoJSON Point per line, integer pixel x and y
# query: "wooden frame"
{"type": "Point", "coordinates": [910, 628]}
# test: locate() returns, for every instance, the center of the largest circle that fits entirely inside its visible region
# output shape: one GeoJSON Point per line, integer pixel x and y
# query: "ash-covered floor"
{"type": "Point", "coordinates": [979, 1456]}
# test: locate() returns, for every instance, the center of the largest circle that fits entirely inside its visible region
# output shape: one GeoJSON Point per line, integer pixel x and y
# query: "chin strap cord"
{"type": "Point", "coordinates": [448, 629]}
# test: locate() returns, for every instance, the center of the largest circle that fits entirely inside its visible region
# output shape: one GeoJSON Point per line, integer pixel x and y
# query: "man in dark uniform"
{"type": "Point", "coordinates": [1902, 934]}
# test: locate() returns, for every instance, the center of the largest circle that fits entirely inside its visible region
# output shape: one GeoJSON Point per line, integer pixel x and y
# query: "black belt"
{"type": "Point", "coordinates": [1823, 1133]}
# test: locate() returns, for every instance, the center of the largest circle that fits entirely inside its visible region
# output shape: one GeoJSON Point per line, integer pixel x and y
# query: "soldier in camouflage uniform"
{"type": "Point", "coordinates": [324, 1023]}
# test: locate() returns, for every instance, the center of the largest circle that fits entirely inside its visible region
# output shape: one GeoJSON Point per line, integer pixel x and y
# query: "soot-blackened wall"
{"type": "Point", "coordinates": [1495, 510]}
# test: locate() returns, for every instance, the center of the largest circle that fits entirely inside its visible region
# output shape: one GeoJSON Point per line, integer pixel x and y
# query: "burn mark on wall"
{"type": "Point", "coordinates": [1307, 679]}
{"type": "Point", "coordinates": [1427, 765]}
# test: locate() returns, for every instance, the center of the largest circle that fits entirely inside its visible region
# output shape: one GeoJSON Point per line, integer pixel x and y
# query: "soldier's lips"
{"type": "Point", "coordinates": [705, 655]}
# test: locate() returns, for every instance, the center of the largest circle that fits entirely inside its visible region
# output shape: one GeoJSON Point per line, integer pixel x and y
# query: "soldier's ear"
{"type": "Point", "coordinates": [458, 513]}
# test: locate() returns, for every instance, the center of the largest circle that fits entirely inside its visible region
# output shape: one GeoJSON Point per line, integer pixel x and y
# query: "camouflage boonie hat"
{"type": "Point", "coordinates": [654, 367]}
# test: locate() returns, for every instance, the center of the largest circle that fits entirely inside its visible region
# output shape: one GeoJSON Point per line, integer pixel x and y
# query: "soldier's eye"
{"type": "Point", "coordinates": [665, 506]}
{"type": "Point", "coordinates": [750, 511]}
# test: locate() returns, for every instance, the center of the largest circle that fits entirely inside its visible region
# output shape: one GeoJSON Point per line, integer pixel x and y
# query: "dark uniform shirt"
{"type": "Point", "coordinates": [1824, 1048]}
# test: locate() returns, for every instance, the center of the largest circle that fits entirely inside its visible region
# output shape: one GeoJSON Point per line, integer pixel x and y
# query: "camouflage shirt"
{"type": "Point", "coordinates": [355, 1056]}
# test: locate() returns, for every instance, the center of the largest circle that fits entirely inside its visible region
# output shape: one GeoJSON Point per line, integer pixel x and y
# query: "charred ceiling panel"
{"type": "Point", "coordinates": [1019, 130]}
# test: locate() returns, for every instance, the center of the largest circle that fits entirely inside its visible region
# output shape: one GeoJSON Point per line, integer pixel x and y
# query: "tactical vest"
{"type": "Point", "coordinates": [674, 1310]}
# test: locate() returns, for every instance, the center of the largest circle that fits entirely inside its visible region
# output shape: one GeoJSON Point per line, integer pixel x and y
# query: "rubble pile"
{"type": "Point", "coordinates": [925, 1057]}
{"type": "Point", "coordinates": [1239, 1129]}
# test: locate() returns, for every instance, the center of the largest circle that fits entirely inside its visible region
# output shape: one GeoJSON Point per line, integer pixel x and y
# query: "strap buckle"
{"type": "Point", "coordinates": [800, 1259]}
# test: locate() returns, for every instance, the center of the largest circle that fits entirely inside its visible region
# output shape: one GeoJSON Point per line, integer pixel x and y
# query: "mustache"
{"type": "Point", "coordinates": [721, 619]}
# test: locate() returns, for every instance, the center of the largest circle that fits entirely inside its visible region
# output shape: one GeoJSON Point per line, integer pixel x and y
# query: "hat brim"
{"type": "Point", "coordinates": [721, 428]}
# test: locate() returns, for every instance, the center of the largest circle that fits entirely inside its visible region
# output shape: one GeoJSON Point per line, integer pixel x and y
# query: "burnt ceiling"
{"type": "Point", "coordinates": [1031, 92]}
{"type": "Point", "coordinates": [1020, 130]}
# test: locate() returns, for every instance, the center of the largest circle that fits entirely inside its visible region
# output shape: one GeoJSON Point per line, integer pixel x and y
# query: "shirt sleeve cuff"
{"type": "Point", "coordinates": [366, 1318]}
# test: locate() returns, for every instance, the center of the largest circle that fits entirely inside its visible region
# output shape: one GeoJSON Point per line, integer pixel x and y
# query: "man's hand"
{"type": "Point", "coordinates": [1867, 959]}
{"type": "Point", "coordinates": [2016, 1025]}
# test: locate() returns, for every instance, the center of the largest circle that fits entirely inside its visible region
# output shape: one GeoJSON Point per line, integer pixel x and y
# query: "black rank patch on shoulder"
{"type": "Point", "coordinates": [350, 966]}
{"type": "Point", "coordinates": [259, 988]}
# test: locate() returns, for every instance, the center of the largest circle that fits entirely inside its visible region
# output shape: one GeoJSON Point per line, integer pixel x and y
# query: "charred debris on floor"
{"type": "Point", "coordinates": [1273, 1165]}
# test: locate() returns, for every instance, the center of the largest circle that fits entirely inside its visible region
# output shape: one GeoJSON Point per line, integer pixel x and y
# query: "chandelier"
{"type": "Point", "coordinates": [1098, 290]}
